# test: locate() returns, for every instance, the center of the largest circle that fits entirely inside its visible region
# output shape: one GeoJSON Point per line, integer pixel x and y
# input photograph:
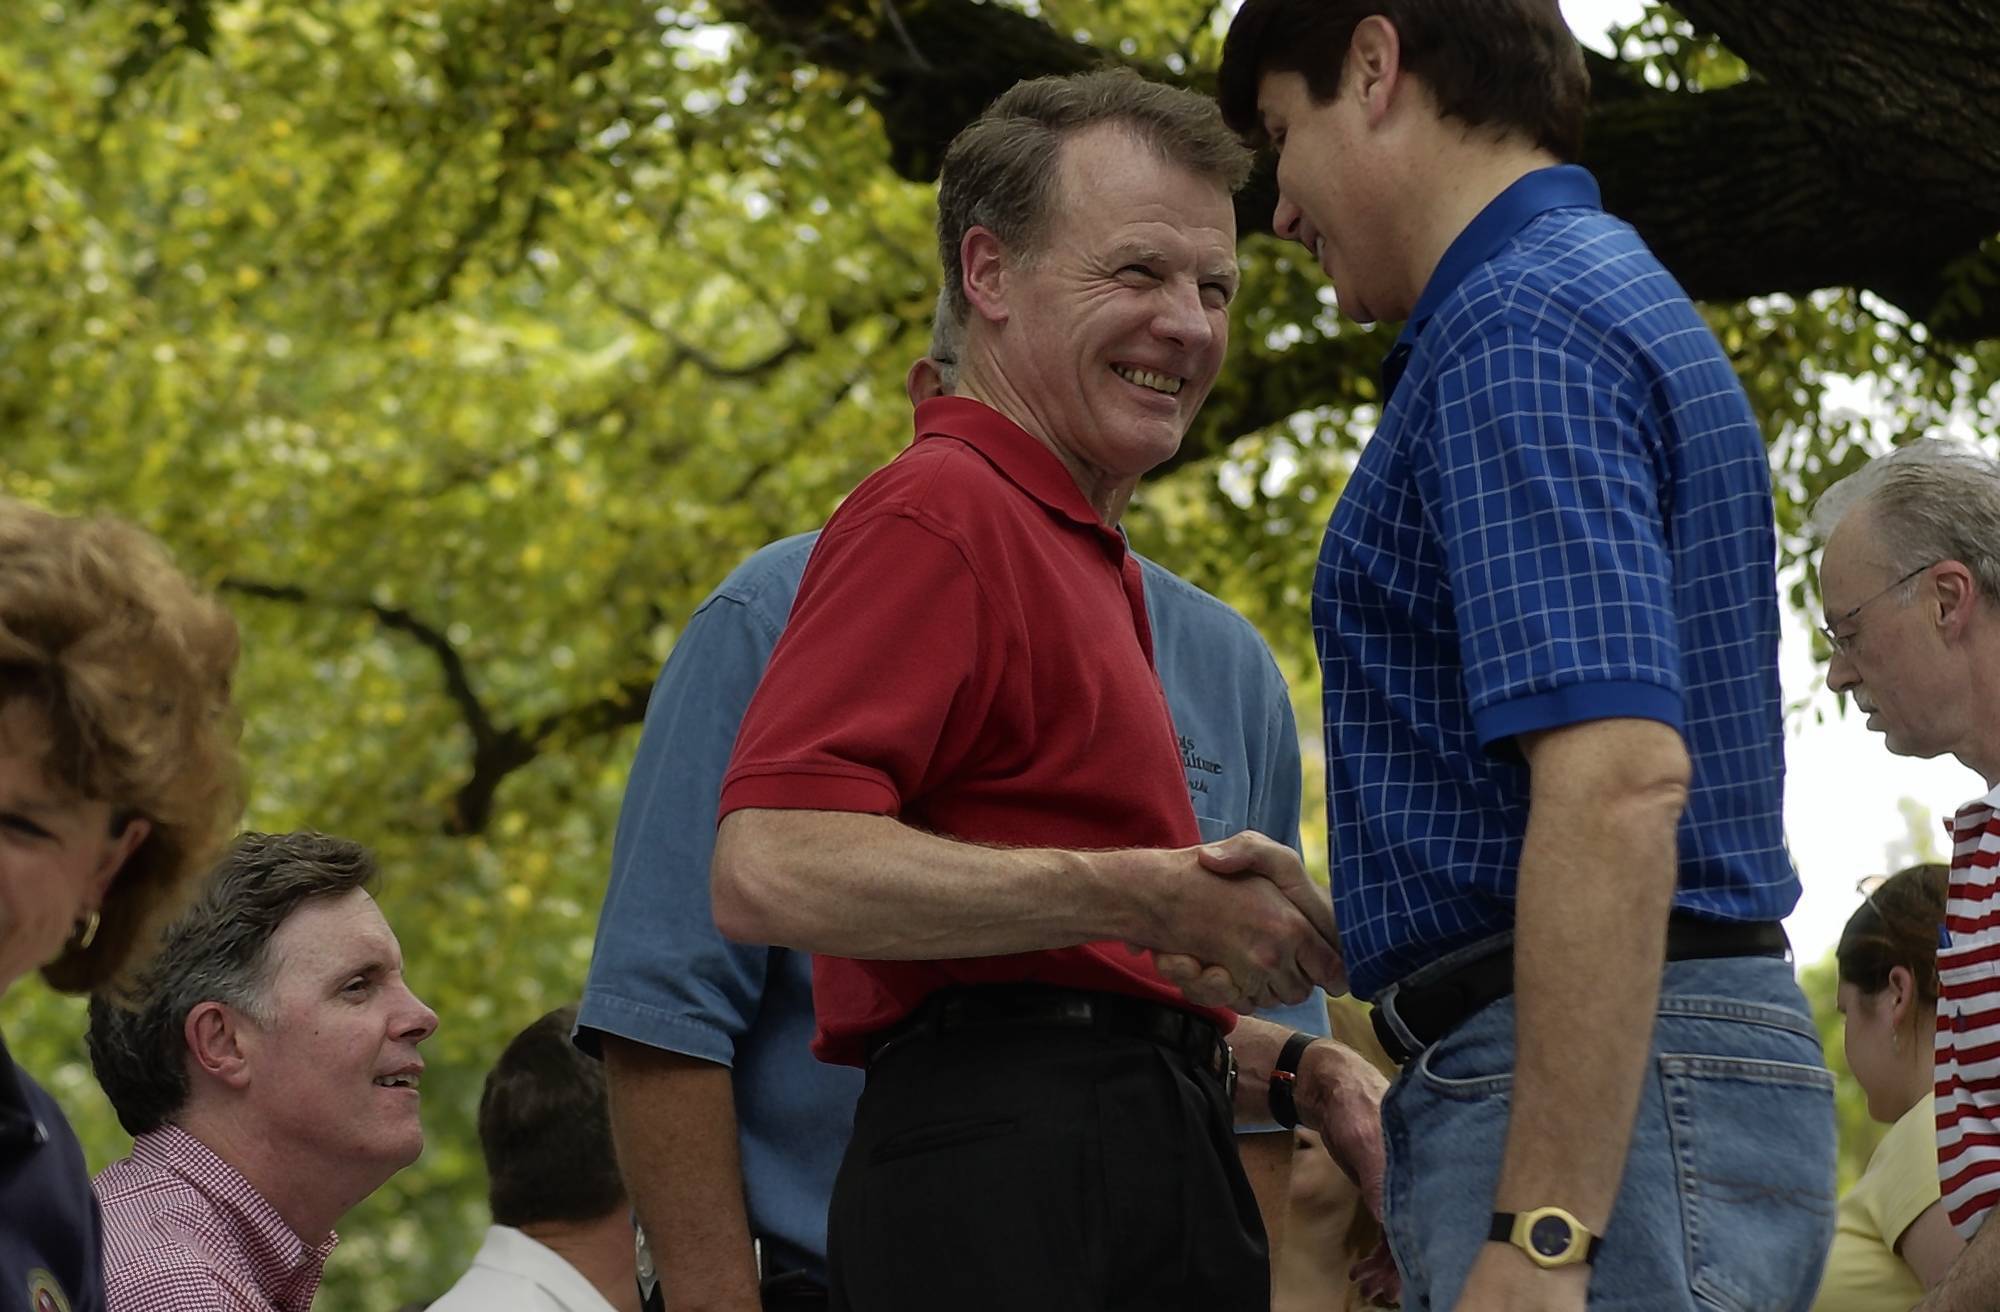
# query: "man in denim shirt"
{"type": "Point", "coordinates": [729, 1130]}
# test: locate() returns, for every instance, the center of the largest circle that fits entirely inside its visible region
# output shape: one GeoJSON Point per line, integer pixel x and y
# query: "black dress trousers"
{"type": "Point", "coordinates": [1043, 1169]}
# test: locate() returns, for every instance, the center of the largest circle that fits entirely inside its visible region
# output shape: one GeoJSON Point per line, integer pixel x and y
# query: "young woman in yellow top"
{"type": "Point", "coordinates": [1892, 1240]}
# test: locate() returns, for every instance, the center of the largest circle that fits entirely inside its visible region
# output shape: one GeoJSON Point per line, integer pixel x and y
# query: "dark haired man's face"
{"type": "Point", "coordinates": [1329, 193]}
{"type": "Point", "coordinates": [336, 1069]}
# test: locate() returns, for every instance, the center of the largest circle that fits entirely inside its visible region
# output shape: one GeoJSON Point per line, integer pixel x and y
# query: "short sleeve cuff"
{"type": "Point", "coordinates": [606, 1013]}
{"type": "Point", "coordinates": [1576, 704]}
{"type": "Point", "coordinates": [808, 790]}
{"type": "Point", "coordinates": [1308, 1016]}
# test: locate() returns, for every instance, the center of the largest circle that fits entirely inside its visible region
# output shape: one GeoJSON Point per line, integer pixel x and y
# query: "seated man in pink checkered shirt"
{"type": "Point", "coordinates": [267, 1067]}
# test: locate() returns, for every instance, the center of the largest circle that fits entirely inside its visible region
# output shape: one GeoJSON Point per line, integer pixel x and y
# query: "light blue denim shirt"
{"type": "Point", "coordinates": [662, 975]}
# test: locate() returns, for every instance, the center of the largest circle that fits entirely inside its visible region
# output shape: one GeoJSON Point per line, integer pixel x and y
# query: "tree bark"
{"type": "Point", "coordinates": [1864, 151]}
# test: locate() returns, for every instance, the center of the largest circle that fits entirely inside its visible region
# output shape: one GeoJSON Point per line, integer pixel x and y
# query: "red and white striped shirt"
{"type": "Point", "coordinates": [184, 1230]}
{"type": "Point", "coordinates": [1968, 1023]}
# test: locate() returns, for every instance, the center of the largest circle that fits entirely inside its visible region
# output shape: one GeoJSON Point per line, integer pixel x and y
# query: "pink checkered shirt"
{"type": "Point", "coordinates": [183, 1230]}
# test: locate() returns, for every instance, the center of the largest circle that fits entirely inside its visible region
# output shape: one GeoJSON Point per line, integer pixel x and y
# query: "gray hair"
{"type": "Point", "coordinates": [1934, 499]}
{"type": "Point", "coordinates": [947, 342]}
{"type": "Point", "coordinates": [1000, 172]}
{"type": "Point", "coordinates": [217, 951]}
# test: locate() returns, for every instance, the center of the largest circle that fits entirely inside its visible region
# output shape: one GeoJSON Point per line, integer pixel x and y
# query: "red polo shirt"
{"type": "Point", "coordinates": [969, 652]}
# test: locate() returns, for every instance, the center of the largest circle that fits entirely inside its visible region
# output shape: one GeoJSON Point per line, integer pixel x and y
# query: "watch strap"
{"type": "Point", "coordinates": [1505, 1224]}
{"type": "Point", "coordinates": [1285, 1074]}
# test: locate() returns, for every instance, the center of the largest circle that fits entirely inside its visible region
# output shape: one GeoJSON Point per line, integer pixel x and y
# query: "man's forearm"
{"type": "Point", "coordinates": [871, 887]}
{"type": "Point", "coordinates": [1974, 1276]}
{"type": "Point", "coordinates": [673, 1119]}
{"type": "Point", "coordinates": [1596, 887]}
{"type": "Point", "coordinates": [1337, 1094]}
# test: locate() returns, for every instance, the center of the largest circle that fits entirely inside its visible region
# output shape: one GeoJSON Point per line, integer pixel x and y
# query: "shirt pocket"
{"type": "Point", "coordinates": [1969, 973]}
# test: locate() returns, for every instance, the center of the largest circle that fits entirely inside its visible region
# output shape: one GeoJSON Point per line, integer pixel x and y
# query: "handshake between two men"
{"type": "Point", "coordinates": [1234, 924]}
{"type": "Point", "coordinates": [1256, 933]}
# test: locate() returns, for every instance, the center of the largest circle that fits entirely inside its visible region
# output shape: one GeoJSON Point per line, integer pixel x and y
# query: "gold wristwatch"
{"type": "Point", "coordinates": [1549, 1236]}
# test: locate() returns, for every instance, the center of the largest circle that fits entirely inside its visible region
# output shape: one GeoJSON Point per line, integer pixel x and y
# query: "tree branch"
{"type": "Point", "coordinates": [194, 30]}
{"type": "Point", "coordinates": [1864, 152]}
{"type": "Point", "coordinates": [682, 353]}
{"type": "Point", "coordinates": [497, 751]}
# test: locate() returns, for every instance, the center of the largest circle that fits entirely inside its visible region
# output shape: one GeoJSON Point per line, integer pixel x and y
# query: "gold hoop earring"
{"type": "Point", "coordinates": [86, 932]}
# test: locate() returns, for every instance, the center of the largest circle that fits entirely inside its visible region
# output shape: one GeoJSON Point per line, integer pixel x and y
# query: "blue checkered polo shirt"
{"type": "Point", "coordinates": [1564, 515]}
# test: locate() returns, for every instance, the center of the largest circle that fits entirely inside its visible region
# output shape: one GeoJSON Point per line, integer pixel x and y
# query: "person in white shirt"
{"type": "Point", "coordinates": [561, 1238]}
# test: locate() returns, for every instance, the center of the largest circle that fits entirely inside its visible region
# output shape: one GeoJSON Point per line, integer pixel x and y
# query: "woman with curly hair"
{"type": "Point", "coordinates": [118, 784]}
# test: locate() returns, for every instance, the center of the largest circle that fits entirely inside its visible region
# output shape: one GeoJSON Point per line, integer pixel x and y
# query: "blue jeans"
{"type": "Point", "coordinates": [1728, 1195]}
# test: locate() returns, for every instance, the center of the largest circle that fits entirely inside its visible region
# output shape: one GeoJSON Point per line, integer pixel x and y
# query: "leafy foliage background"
{"type": "Point", "coordinates": [466, 343]}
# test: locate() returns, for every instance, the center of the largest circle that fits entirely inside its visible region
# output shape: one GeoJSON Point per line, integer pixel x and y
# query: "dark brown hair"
{"type": "Point", "coordinates": [219, 950]}
{"type": "Point", "coordinates": [1002, 169]}
{"type": "Point", "coordinates": [1507, 64]}
{"type": "Point", "coordinates": [545, 1130]}
{"type": "Point", "coordinates": [1896, 925]}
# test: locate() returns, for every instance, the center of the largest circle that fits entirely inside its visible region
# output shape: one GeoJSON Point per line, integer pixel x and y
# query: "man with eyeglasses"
{"type": "Point", "coordinates": [1911, 580]}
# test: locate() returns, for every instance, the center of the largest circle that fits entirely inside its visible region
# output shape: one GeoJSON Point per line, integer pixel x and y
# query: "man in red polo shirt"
{"type": "Point", "coordinates": [959, 785]}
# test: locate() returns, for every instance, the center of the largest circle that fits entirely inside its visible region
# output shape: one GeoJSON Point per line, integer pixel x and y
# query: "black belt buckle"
{"type": "Point", "coordinates": [1199, 1040]}
{"type": "Point", "coordinates": [1210, 1052]}
{"type": "Point", "coordinates": [1385, 1033]}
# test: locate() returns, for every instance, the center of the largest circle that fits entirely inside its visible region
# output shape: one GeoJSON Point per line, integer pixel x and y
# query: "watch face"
{"type": "Point", "coordinates": [1550, 1236]}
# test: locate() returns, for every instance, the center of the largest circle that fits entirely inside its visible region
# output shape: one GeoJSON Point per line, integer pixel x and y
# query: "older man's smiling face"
{"type": "Point", "coordinates": [1117, 326]}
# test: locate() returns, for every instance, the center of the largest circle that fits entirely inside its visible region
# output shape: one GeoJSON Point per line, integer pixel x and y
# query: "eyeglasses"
{"type": "Point", "coordinates": [1841, 646]}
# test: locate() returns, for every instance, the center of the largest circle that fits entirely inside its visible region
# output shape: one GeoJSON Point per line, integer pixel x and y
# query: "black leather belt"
{"type": "Point", "coordinates": [1030, 1006]}
{"type": "Point", "coordinates": [1431, 1010]}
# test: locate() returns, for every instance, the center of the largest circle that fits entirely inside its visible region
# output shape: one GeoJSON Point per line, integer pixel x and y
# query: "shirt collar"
{"type": "Point", "coordinates": [279, 1261]}
{"type": "Point", "coordinates": [511, 1252]}
{"type": "Point", "coordinates": [1015, 453]}
{"type": "Point", "coordinates": [1973, 813]}
{"type": "Point", "coordinates": [1564, 186]}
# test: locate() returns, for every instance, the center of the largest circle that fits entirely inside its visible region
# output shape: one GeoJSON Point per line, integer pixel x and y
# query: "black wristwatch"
{"type": "Point", "coordinates": [1548, 1235]}
{"type": "Point", "coordinates": [1284, 1073]}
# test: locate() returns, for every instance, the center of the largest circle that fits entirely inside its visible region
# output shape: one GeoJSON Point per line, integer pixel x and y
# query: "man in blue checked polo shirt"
{"type": "Point", "coordinates": [728, 1128]}
{"type": "Point", "coordinates": [1547, 620]}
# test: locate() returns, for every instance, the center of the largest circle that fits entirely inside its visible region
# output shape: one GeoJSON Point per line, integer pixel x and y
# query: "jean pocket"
{"type": "Point", "coordinates": [942, 1134]}
{"type": "Point", "coordinates": [1753, 1152]}
{"type": "Point", "coordinates": [1474, 1061]}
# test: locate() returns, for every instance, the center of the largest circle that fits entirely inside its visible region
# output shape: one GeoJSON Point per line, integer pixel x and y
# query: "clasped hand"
{"type": "Point", "coordinates": [1245, 927]}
